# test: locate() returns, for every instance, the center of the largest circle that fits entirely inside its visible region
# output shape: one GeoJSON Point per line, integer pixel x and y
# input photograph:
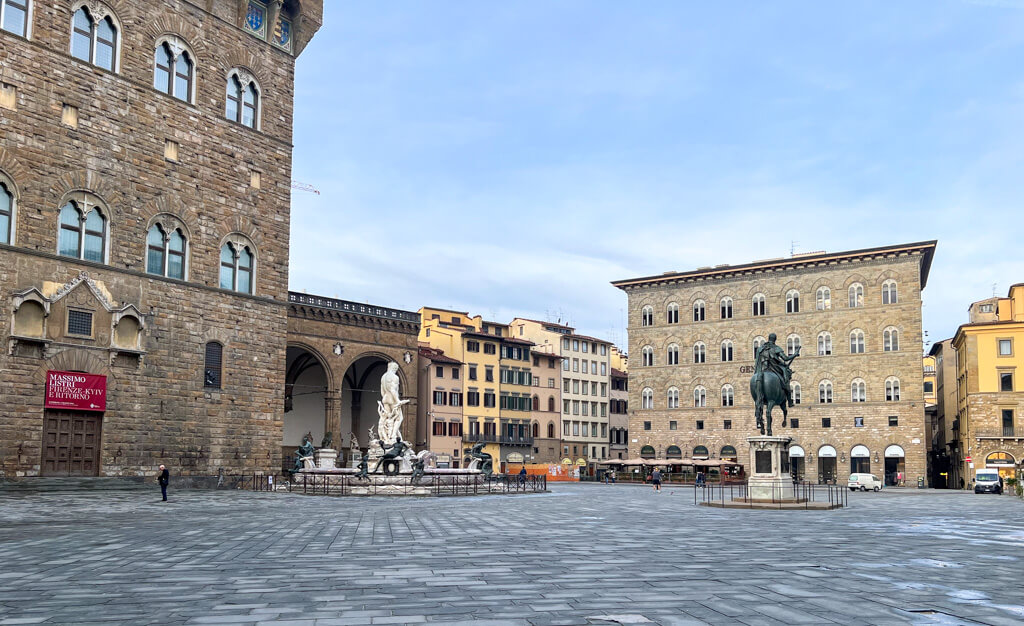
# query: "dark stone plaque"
{"type": "Point", "coordinates": [762, 461]}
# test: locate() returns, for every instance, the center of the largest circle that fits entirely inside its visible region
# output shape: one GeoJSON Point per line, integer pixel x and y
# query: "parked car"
{"type": "Point", "coordinates": [864, 482]}
{"type": "Point", "coordinates": [988, 481]}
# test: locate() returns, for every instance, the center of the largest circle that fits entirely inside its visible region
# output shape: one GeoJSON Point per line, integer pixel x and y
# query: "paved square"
{"type": "Point", "coordinates": [581, 554]}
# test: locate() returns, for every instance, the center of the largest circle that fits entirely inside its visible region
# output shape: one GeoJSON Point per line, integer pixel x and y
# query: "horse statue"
{"type": "Point", "coordinates": [769, 386]}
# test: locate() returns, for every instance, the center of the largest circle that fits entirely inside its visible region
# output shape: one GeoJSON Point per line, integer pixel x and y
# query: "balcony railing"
{"type": "Point", "coordinates": [484, 437]}
{"type": "Point", "coordinates": [517, 441]}
{"type": "Point", "coordinates": [1000, 433]}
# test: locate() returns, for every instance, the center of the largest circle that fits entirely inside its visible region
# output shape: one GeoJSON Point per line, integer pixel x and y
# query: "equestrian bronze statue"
{"type": "Point", "coordinates": [769, 386]}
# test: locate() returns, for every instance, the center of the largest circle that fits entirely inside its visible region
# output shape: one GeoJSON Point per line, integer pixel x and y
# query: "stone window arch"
{"type": "Point", "coordinates": [647, 356]}
{"type": "Point", "coordinates": [84, 228]}
{"type": "Point", "coordinates": [238, 264]}
{"type": "Point", "coordinates": [725, 308]}
{"type": "Point", "coordinates": [699, 311]}
{"type": "Point", "coordinates": [244, 99]}
{"type": "Point", "coordinates": [551, 427]}
{"type": "Point", "coordinates": [95, 35]}
{"type": "Point", "coordinates": [700, 352]}
{"type": "Point", "coordinates": [792, 301]}
{"type": "Point", "coordinates": [856, 295]}
{"type": "Point", "coordinates": [758, 305]}
{"type": "Point", "coordinates": [792, 344]}
{"type": "Point", "coordinates": [673, 354]}
{"type": "Point", "coordinates": [891, 339]}
{"type": "Point", "coordinates": [728, 395]}
{"type": "Point", "coordinates": [647, 452]}
{"type": "Point", "coordinates": [673, 398]}
{"type": "Point", "coordinates": [647, 398]}
{"type": "Point", "coordinates": [700, 397]}
{"type": "Point", "coordinates": [856, 341]}
{"type": "Point", "coordinates": [825, 392]}
{"type": "Point", "coordinates": [174, 68]}
{"type": "Point", "coordinates": [823, 299]}
{"type": "Point", "coordinates": [824, 343]}
{"type": "Point", "coordinates": [167, 248]}
{"type": "Point", "coordinates": [758, 342]}
{"type": "Point", "coordinates": [889, 295]}
{"type": "Point", "coordinates": [726, 351]}
{"type": "Point", "coordinates": [647, 316]}
{"type": "Point", "coordinates": [892, 389]}
{"type": "Point", "coordinates": [795, 392]}
{"type": "Point", "coordinates": [858, 390]}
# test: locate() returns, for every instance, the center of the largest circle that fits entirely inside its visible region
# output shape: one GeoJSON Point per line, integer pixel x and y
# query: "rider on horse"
{"type": "Point", "coordinates": [771, 358]}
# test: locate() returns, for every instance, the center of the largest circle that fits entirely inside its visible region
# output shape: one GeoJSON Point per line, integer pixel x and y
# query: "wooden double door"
{"type": "Point", "coordinates": [71, 443]}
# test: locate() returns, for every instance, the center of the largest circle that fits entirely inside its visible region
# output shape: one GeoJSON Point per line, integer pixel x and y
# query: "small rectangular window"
{"type": "Point", "coordinates": [212, 368]}
{"type": "Point", "coordinates": [700, 424]}
{"type": "Point", "coordinates": [455, 373]}
{"type": "Point", "coordinates": [1005, 381]}
{"type": "Point", "coordinates": [255, 179]}
{"type": "Point", "coordinates": [171, 150]}
{"type": "Point", "coordinates": [727, 424]}
{"type": "Point", "coordinates": [894, 420]}
{"type": "Point", "coordinates": [80, 323]}
{"type": "Point", "coordinates": [439, 372]}
{"type": "Point", "coordinates": [858, 422]}
{"type": "Point", "coordinates": [69, 115]}
{"type": "Point", "coordinates": [826, 422]}
{"type": "Point", "coordinates": [673, 425]}
{"type": "Point", "coordinates": [1005, 347]}
{"type": "Point", "coordinates": [647, 425]}
{"type": "Point", "coordinates": [8, 96]}
{"type": "Point", "coordinates": [794, 422]}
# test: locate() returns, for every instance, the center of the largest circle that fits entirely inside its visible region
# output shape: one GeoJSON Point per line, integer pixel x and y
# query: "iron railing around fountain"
{"type": "Point", "coordinates": [781, 493]}
{"type": "Point", "coordinates": [435, 485]}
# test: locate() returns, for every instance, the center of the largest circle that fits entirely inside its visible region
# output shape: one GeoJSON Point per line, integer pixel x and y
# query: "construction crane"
{"type": "Point", "coordinates": [300, 186]}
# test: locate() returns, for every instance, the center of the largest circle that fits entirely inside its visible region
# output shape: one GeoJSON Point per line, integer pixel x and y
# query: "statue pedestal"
{"type": "Point", "coordinates": [769, 478]}
{"type": "Point", "coordinates": [326, 458]}
{"type": "Point", "coordinates": [354, 457]}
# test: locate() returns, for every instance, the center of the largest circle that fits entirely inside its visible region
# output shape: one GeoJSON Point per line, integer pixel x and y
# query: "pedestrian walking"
{"type": "Point", "coordinates": [656, 479]}
{"type": "Point", "coordinates": [522, 475]}
{"type": "Point", "coordinates": [899, 479]}
{"type": "Point", "coordinates": [165, 478]}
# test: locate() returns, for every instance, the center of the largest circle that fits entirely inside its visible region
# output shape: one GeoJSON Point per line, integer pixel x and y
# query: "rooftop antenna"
{"type": "Point", "coordinates": [792, 247]}
{"type": "Point", "coordinates": [994, 285]}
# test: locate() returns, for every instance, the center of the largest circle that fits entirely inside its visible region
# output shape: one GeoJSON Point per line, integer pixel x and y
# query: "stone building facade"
{"type": "Point", "coordinates": [146, 232]}
{"type": "Point", "coordinates": [989, 422]}
{"type": "Point", "coordinates": [547, 405]}
{"type": "Point", "coordinates": [336, 354]}
{"type": "Point", "coordinates": [857, 383]}
{"type": "Point", "coordinates": [618, 415]}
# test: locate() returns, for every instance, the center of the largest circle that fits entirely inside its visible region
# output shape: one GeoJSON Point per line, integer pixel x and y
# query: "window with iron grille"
{"type": "Point", "coordinates": [212, 369]}
{"type": "Point", "coordinates": [80, 323]}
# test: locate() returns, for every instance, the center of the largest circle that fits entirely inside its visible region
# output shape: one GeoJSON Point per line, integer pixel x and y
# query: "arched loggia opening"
{"type": "Point", "coordinates": [308, 402]}
{"type": "Point", "coordinates": [360, 392]}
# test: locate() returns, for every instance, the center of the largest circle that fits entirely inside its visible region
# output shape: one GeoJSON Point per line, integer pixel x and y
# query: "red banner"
{"type": "Point", "coordinates": [74, 390]}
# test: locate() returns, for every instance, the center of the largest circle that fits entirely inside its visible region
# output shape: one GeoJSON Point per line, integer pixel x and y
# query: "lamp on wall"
{"type": "Point", "coordinates": [842, 457]}
{"type": "Point", "coordinates": [876, 457]}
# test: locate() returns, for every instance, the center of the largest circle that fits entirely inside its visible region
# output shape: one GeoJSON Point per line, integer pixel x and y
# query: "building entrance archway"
{"type": "Point", "coordinates": [894, 466]}
{"type": "Point", "coordinates": [310, 406]}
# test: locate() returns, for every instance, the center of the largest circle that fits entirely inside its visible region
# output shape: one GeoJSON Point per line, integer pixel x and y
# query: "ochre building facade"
{"type": "Point", "coordinates": [145, 170]}
{"type": "Point", "coordinates": [856, 317]}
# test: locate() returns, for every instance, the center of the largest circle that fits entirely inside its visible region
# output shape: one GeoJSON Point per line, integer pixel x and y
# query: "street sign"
{"type": "Point", "coordinates": [968, 459]}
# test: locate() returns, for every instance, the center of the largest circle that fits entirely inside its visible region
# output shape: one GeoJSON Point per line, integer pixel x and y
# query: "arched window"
{"type": "Point", "coordinates": [856, 295]}
{"type": "Point", "coordinates": [14, 16]}
{"type": "Point", "coordinates": [243, 100]}
{"type": "Point", "coordinates": [647, 398]}
{"type": "Point", "coordinates": [823, 299]}
{"type": "Point", "coordinates": [700, 397]}
{"type": "Point", "coordinates": [999, 458]}
{"type": "Point", "coordinates": [647, 316]}
{"type": "Point", "coordinates": [536, 405]}
{"type": "Point", "coordinates": [673, 452]}
{"type": "Point", "coordinates": [551, 403]}
{"type": "Point", "coordinates": [824, 344]}
{"type": "Point", "coordinates": [825, 392]}
{"type": "Point", "coordinates": [536, 430]}
{"type": "Point", "coordinates": [792, 301]}
{"type": "Point", "coordinates": [758, 304]}
{"type": "Point", "coordinates": [792, 344]}
{"type": "Point", "coordinates": [728, 397]}
{"type": "Point", "coordinates": [673, 354]}
{"type": "Point", "coordinates": [857, 341]}
{"type": "Point", "coordinates": [236, 267]}
{"type": "Point", "coordinates": [698, 311]}
{"type": "Point", "coordinates": [700, 452]}
{"type": "Point", "coordinates": [6, 214]}
{"type": "Point", "coordinates": [647, 452]}
{"type": "Point", "coordinates": [726, 308]}
{"type": "Point", "coordinates": [83, 231]}
{"type": "Point", "coordinates": [891, 339]}
{"type": "Point", "coordinates": [794, 388]}
{"type": "Point", "coordinates": [758, 342]}
{"type": "Point", "coordinates": [700, 352]}
{"type": "Point", "coordinates": [889, 292]}
{"type": "Point", "coordinates": [726, 351]}
{"type": "Point", "coordinates": [673, 398]}
{"type": "Point", "coordinates": [728, 452]}
{"type": "Point", "coordinates": [174, 70]}
{"type": "Point", "coordinates": [165, 252]}
{"type": "Point", "coordinates": [551, 428]}
{"type": "Point", "coordinates": [892, 389]}
{"type": "Point", "coordinates": [672, 313]}
{"type": "Point", "coordinates": [94, 41]}
{"type": "Point", "coordinates": [213, 365]}
{"type": "Point", "coordinates": [858, 391]}
{"type": "Point", "coordinates": [647, 356]}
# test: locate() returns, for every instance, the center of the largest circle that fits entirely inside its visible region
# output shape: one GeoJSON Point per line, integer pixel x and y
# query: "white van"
{"type": "Point", "coordinates": [988, 481]}
{"type": "Point", "coordinates": [864, 482]}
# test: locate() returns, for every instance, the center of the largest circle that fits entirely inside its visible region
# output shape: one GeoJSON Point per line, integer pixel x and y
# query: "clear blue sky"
{"type": "Point", "coordinates": [513, 158]}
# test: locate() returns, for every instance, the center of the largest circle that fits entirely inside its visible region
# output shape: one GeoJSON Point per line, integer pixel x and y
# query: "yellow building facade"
{"type": "Point", "coordinates": [989, 422]}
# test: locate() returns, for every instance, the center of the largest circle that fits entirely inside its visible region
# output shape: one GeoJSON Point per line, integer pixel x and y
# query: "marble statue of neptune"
{"type": "Point", "coordinates": [389, 407]}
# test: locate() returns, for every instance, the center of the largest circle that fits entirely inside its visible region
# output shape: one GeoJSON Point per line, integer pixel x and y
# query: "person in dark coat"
{"type": "Point", "coordinates": [165, 478]}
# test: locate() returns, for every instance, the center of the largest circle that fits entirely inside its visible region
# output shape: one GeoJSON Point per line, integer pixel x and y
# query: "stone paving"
{"type": "Point", "coordinates": [582, 554]}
